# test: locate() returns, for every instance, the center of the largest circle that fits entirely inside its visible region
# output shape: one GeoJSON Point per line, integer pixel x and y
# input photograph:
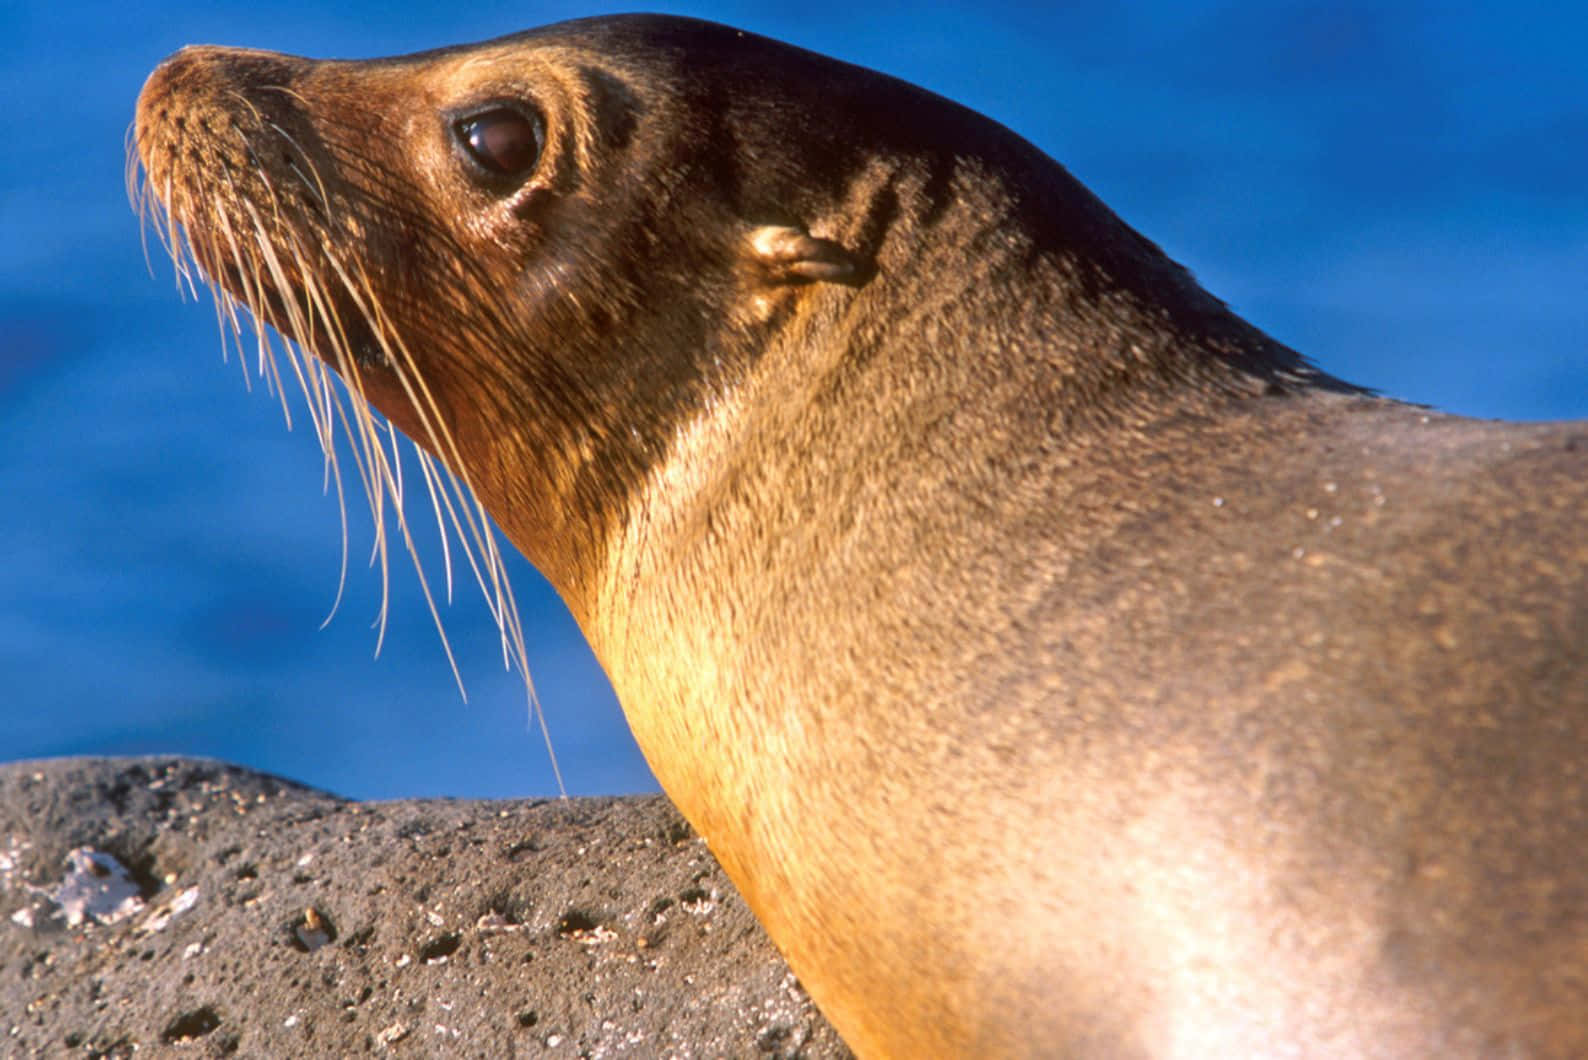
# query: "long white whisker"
{"type": "Point", "coordinates": [272, 261]}
{"type": "Point", "coordinates": [432, 487]}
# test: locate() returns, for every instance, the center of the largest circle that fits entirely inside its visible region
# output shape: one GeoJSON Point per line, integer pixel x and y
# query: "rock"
{"type": "Point", "coordinates": [278, 921]}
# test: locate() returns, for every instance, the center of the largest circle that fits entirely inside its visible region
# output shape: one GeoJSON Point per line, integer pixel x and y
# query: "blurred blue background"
{"type": "Point", "coordinates": [1399, 191]}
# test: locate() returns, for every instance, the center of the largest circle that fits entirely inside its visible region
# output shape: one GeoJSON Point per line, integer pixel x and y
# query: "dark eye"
{"type": "Point", "coordinates": [503, 141]}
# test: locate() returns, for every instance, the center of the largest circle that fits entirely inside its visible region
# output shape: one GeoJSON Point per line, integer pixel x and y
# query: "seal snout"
{"type": "Point", "coordinates": [202, 71]}
{"type": "Point", "coordinates": [235, 174]}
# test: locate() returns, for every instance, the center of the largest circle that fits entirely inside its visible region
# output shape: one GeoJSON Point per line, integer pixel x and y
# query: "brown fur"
{"type": "Point", "coordinates": [1057, 664]}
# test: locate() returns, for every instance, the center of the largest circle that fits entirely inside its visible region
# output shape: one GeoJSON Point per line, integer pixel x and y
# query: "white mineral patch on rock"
{"type": "Point", "coordinates": [97, 887]}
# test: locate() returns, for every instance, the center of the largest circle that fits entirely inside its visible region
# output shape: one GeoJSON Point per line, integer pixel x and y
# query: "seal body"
{"type": "Point", "coordinates": [1055, 662]}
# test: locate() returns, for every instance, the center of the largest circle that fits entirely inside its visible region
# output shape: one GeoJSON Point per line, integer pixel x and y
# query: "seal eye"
{"type": "Point", "coordinates": [503, 141]}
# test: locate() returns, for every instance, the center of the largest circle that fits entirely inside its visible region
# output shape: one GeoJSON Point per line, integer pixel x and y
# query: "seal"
{"type": "Point", "coordinates": [1058, 664]}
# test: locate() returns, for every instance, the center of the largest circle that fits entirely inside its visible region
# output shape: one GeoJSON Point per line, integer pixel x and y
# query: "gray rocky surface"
{"type": "Point", "coordinates": [274, 920]}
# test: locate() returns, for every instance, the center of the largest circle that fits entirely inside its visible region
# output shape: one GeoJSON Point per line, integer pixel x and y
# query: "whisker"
{"type": "Point", "coordinates": [267, 246]}
{"type": "Point", "coordinates": [436, 503]}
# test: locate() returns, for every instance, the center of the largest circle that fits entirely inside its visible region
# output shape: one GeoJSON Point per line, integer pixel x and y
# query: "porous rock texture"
{"type": "Point", "coordinates": [281, 921]}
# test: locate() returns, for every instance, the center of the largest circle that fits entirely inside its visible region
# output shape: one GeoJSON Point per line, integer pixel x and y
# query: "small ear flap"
{"type": "Point", "coordinates": [791, 255]}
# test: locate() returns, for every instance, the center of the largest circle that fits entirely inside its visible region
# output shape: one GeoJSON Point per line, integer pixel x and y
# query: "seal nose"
{"type": "Point", "coordinates": [196, 69]}
{"type": "Point", "coordinates": [193, 96]}
{"type": "Point", "coordinates": [200, 72]}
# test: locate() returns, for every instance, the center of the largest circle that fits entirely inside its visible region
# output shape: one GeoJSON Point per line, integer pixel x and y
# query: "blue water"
{"type": "Point", "coordinates": [1401, 193]}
